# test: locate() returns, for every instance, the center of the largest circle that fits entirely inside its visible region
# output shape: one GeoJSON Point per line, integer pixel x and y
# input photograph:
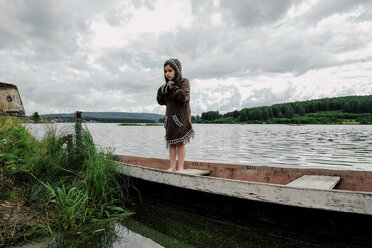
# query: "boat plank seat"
{"type": "Point", "coordinates": [194, 172]}
{"type": "Point", "coordinates": [315, 182]}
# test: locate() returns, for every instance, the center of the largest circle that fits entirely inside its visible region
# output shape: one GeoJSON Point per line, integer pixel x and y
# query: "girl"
{"type": "Point", "coordinates": [175, 94]}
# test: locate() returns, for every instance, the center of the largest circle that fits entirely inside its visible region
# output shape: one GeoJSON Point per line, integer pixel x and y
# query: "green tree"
{"type": "Point", "coordinates": [368, 107]}
{"type": "Point", "coordinates": [299, 109]}
{"type": "Point", "coordinates": [346, 107]}
{"type": "Point", "coordinates": [210, 115]}
{"type": "Point", "coordinates": [358, 107]}
{"type": "Point", "coordinates": [276, 111]}
{"type": "Point", "coordinates": [321, 106]}
{"type": "Point", "coordinates": [236, 114]}
{"type": "Point", "coordinates": [35, 117]}
{"type": "Point", "coordinates": [265, 114]}
{"type": "Point", "coordinates": [288, 111]}
{"type": "Point", "coordinates": [312, 107]}
{"type": "Point", "coordinates": [257, 113]}
{"type": "Point", "coordinates": [338, 104]}
{"type": "Point", "coordinates": [250, 115]}
{"type": "Point", "coordinates": [243, 115]}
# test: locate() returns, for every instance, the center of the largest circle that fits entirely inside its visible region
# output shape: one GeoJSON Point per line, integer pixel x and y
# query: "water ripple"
{"type": "Point", "coordinates": [318, 146]}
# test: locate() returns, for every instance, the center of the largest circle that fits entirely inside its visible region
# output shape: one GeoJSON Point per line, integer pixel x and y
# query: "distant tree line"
{"type": "Point", "coordinates": [100, 120]}
{"type": "Point", "coordinates": [320, 111]}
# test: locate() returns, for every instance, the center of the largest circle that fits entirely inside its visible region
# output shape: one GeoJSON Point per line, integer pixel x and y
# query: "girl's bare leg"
{"type": "Point", "coordinates": [172, 157]}
{"type": "Point", "coordinates": [181, 153]}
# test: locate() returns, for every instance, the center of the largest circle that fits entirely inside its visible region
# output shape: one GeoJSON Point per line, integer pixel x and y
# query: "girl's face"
{"type": "Point", "coordinates": [169, 72]}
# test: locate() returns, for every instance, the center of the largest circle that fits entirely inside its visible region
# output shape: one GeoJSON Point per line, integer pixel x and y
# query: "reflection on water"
{"type": "Point", "coordinates": [331, 146]}
{"type": "Point", "coordinates": [154, 227]}
{"type": "Point", "coordinates": [111, 236]}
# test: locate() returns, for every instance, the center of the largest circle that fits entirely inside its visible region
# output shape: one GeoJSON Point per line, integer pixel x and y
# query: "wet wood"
{"type": "Point", "coordinates": [315, 182]}
{"type": "Point", "coordinates": [194, 172]}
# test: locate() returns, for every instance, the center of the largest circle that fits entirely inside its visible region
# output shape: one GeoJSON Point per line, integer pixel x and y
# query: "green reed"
{"type": "Point", "coordinates": [71, 179]}
{"type": "Point", "coordinates": [83, 183]}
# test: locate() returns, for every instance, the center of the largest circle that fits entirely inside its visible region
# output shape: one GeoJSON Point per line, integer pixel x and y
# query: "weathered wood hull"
{"type": "Point", "coordinates": [336, 216]}
{"type": "Point", "coordinates": [327, 228]}
{"type": "Point", "coordinates": [350, 180]}
{"type": "Point", "coordinates": [348, 201]}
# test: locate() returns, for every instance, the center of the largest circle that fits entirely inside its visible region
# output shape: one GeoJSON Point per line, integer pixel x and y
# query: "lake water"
{"type": "Point", "coordinates": [320, 146]}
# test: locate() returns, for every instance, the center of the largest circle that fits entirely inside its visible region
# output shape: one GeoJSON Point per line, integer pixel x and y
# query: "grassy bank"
{"type": "Point", "coordinates": [59, 183]}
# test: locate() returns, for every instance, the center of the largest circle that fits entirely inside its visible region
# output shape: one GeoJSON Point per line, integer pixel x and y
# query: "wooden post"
{"type": "Point", "coordinates": [78, 121]}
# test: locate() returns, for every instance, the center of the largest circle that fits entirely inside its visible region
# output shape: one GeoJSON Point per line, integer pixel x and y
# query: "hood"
{"type": "Point", "coordinates": [176, 65]}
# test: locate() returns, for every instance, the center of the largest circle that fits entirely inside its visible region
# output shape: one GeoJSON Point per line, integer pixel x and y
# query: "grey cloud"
{"type": "Point", "coordinates": [251, 12]}
{"type": "Point", "coordinates": [366, 16]}
{"type": "Point", "coordinates": [60, 68]}
{"type": "Point", "coordinates": [266, 97]}
{"type": "Point", "coordinates": [296, 55]}
{"type": "Point", "coordinates": [201, 7]}
{"type": "Point", "coordinates": [326, 8]}
{"type": "Point", "coordinates": [150, 4]}
{"type": "Point", "coordinates": [222, 52]}
{"type": "Point", "coordinates": [41, 30]}
{"type": "Point", "coordinates": [143, 52]}
{"type": "Point", "coordinates": [198, 41]}
{"type": "Point", "coordinates": [148, 60]}
{"type": "Point", "coordinates": [136, 58]}
{"type": "Point", "coordinates": [46, 43]}
{"type": "Point", "coordinates": [112, 59]}
{"type": "Point", "coordinates": [246, 13]}
{"type": "Point", "coordinates": [225, 56]}
{"type": "Point", "coordinates": [231, 103]}
{"type": "Point", "coordinates": [226, 51]}
{"type": "Point", "coordinates": [202, 11]}
{"type": "Point", "coordinates": [137, 79]}
{"type": "Point", "coordinates": [120, 15]}
{"type": "Point", "coordinates": [201, 102]}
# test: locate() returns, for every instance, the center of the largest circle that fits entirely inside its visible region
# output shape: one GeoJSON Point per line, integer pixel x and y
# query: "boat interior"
{"type": "Point", "coordinates": [353, 180]}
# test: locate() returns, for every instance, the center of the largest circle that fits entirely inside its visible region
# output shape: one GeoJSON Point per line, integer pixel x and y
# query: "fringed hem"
{"type": "Point", "coordinates": [190, 134]}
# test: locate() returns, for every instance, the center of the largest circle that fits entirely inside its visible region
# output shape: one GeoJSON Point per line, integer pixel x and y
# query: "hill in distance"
{"type": "Point", "coordinates": [117, 117]}
{"type": "Point", "coordinates": [336, 110]}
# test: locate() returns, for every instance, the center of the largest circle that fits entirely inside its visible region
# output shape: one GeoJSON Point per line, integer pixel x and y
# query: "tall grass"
{"type": "Point", "coordinates": [16, 146]}
{"type": "Point", "coordinates": [72, 181]}
{"type": "Point", "coordinates": [78, 180]}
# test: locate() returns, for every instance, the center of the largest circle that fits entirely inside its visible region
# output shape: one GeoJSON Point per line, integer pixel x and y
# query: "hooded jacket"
{"type": "Point", "coordinates": [176, 96]}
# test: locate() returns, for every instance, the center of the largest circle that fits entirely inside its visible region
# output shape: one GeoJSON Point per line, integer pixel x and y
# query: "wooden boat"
{"type": "Point", "coordinates": [311, 204]}
{"type": "Point", "coordinates": [335, 190]}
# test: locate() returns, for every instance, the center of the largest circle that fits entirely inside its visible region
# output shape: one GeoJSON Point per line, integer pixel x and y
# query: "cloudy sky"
{"type": "Point", "coordinates": [95, 55]}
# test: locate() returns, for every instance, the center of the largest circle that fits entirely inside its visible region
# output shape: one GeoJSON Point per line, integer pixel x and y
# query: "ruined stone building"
{"type": "Point", "coordinates": [10, 100]}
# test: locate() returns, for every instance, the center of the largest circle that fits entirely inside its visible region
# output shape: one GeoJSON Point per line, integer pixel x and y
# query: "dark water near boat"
{"type": "Point", "coordinates": [155, 227]}
{"type": "Point", "coordinates": [321, 146]}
